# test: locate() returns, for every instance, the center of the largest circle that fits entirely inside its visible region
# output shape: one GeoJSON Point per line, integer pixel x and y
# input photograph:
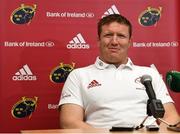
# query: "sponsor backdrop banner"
{"type": "Point", "coordinates": [41, 42]}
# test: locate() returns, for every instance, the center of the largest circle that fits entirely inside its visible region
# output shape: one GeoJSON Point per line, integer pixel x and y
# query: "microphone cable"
{"type": "Point", "coordinates": [173, 127]}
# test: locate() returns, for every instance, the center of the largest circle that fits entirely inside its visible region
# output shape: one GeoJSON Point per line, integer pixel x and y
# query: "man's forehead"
{"type": "Point", "coordinates": [115, 27]}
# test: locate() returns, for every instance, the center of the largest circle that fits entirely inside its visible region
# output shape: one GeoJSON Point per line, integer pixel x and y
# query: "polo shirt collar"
{"type": "Point", "coordinates": [102, 65]}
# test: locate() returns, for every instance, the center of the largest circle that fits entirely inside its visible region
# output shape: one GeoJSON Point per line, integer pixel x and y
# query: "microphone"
{"type": "Point", "coordinates": [154, 106]}
{"type": "Point", "coordinates": [173, 80]}
{"type": "Point", "coordinates": [146, 81]}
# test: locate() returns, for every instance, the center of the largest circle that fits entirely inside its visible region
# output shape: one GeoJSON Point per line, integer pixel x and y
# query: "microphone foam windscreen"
{"type": "Point", "coordinates": [173, 80]}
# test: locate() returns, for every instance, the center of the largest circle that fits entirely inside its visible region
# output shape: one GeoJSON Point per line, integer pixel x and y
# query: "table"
{"type": "Point", "coordinates": [96, 131]}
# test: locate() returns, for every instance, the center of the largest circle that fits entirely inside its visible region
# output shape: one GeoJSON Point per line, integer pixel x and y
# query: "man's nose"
{"type": "Point", "coordinates": [114, 39]}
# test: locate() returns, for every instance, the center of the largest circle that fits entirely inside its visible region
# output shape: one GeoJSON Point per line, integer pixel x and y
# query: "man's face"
{"type": "Point", "coordinates": [114, 42]}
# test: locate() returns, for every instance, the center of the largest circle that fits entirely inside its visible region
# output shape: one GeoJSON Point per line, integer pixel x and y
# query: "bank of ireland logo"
{"type": "Point", "coordinates": [111, 10]}
{"type": "Point", "coordinates": [78, 42]}
{"type": "Point", "coordinates": [150, 16]}
{"type": "Point", "coordinates": [60, 73]}
{"type": "Point", "coordinates": [24, 107]}
{"type": "Point", "coordinates": [23, 14]}
{"type": "Point", "coordinates": [24, 74]}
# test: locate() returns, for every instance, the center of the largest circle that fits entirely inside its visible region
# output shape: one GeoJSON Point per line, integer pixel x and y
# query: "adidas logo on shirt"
{"type": "Point", "coordinates": [111, 10]}
{"type": "Point", "coordinates": [78, 42]}
{"type": "Point", "coordinates": [24, 74]}
{"type": "Point", "coordinates": [93, 83]}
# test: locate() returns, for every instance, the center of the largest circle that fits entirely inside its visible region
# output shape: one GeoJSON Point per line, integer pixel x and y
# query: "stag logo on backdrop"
{"type": "Point", "coordinates": [150, 16]}
{"type": "Point", "coordinates": [78, 42]}
{"type": "Point", "coordinates": [24, 74]}
{"type": "Point", "coordinates": [24, 107]}
{"type": "Point", "coordinates": [111, 10]}
{"type": "Point", "coordinates": [23, 14]}
{"type": "Point", "coordinates": [61, 72]}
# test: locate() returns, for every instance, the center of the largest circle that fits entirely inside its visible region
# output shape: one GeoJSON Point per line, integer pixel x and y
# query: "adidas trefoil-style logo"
{"type": "Point", "coordinates": [24, 74]}
{"type": "Point", "coordinates": [78, 42]}
{"type": "Point", "coordinates": [93, 83]}
{"type": "Point", "coordinates": [111, 10]}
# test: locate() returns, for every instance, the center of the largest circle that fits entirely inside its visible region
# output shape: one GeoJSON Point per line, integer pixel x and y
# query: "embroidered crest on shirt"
{"type": "Point", "coordinates": [139, 84]}
{"type": "Point", "coordinates": [93, 83]}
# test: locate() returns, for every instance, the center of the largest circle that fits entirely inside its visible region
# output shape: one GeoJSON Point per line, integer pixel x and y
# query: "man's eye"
{"type": "Point", "coordinates": [108, 35]}
{"type": "Point", "coordinates": [121, 36]}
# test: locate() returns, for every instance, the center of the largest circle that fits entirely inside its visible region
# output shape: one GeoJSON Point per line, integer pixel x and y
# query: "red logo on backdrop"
{"type": "Point", "coordinates": [23, 14]}
{"type": "Point", "coordinates": [150, 16]}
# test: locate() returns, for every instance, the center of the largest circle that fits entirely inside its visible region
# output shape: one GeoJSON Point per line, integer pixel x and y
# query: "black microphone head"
{"type": "Point", "coordinates": [145, 78]}
{"type": "Point", "coordinates": [173, 80]}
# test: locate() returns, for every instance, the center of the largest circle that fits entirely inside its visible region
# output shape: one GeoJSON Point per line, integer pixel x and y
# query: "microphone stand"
{"type": "Point", "coordinates": [142, 124]}
{"type": "Point", "coordinates": [155, 108]}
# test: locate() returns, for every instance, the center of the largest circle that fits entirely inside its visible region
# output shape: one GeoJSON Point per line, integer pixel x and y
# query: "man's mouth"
{"type": "Point", "coordinates": [113, 49]}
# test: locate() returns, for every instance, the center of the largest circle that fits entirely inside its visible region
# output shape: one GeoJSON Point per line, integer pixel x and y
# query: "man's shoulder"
{"type": "Point", "coordinates": [142, 67]}
{"type": "Point", "coordinates": [145, 69]}
{"type": "Point", "coordinates": [84, 69]}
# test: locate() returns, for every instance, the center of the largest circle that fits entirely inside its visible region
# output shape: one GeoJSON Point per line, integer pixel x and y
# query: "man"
{"type": "Point", "coordinates": [109, 92]}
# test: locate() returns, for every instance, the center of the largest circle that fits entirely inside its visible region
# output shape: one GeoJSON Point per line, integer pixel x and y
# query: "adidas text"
{"type": "Point", "coordinates": [78, 46]}
{"type": "Point", "coordinates": [24, 77]}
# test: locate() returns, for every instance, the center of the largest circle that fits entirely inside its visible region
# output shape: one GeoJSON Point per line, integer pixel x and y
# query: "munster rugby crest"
{"type": "Point", "coordinates": [61, 72]}
{"type": "Point", "coordinates": [24, 107]}
{"type": "Point", "coordinates": [150, 16]}
{"type": "Point", "coordinates": [23, 14]}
